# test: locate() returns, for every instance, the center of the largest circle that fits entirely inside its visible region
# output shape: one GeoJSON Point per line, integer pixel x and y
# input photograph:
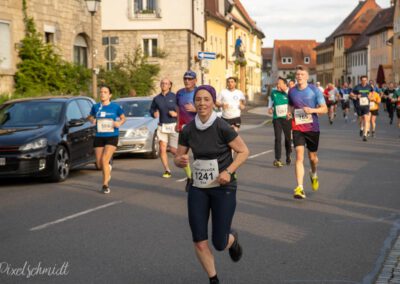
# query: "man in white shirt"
{"type": "Point", "coordinates": [232, 102]}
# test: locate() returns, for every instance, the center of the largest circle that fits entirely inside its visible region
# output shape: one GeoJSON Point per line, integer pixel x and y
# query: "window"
{"type": "Point", "coordinates": [150, 46]}
{"type": "Point", "coordinates": [49, 37]}
{"type": "Point", "coordinates": [80, 51]}
{"type": "Point", "coordinates": [307, 60]}
{"type": "Point", "coordinates": [286, 60]}
{"type": "Point", "coordinates": [73, 111]}
{"type": "Point", "coordinates": [5, 46]}
{"type": "Point", "coordinates": [145, 6]}
{"type": "Point", "coordinates": [86, 107]}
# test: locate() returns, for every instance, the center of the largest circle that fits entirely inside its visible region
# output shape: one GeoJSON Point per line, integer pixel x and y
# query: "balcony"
{"type": "Point", "coordinates": [146, 14]}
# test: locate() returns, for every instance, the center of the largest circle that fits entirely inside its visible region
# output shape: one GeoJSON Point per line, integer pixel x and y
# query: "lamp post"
{"type": "Point", "coordinates": [92, 6]}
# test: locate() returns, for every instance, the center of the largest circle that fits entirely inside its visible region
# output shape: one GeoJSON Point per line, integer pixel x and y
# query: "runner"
{"type": "Point", "coordinates": [361, 93]}
{"type": "Point", "coordinates": [232, 102]}
{"type": "Point", "coordinates": [318, 84]}
{"type": "Point", "coordinates": [186, 110]}
{"type": "Point", "coordinates": [278, 106]}
{"type": "Point", "coordinates": [105, 115]}
{"type": "Point", "coordinates": [396, 100]}
{"type": "Point", "coordinates": [345, 101]}
{"type": "Point", "coordinates": [164, 107]}
{"type": "Point", "coordinates": [305, 102]}
{"type": "Point", "coordinates": [292, 84]}
{"type": "Point", "coordinates": [387, 97]}
{"type": "Point", "coordinates": [375, 100]}
{"type": "Point", "coordinates": [214, 180]}
{"type": "Point", "coordinates": [332, 97]}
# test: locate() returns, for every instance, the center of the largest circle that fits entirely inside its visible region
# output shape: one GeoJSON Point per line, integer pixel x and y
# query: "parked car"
{"type": "Point", "coordinates": [139, 133]}
{"type": "Point", "coordinates": [45, 137]}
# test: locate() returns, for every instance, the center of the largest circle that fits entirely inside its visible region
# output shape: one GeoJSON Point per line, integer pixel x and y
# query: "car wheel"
{"type": "Point", "coordinates": [154, 154]}
{"type": "Point", "coordinates": [61, 165]}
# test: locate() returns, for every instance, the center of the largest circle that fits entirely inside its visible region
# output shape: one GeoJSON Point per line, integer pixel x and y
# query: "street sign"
{"type": "Point", "coordinates": [206, 55]}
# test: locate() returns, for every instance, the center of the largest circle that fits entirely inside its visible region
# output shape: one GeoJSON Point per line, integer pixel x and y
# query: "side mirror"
{"type": "Point", "coordinates": [76, 122]}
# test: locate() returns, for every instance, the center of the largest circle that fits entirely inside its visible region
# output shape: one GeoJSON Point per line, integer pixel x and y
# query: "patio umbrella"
{"type": "Point", "coordinates": [380, 76]}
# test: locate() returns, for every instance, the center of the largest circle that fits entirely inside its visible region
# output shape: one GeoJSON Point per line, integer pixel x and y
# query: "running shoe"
{"type": "Point", "coordinates": [167, 174]}
{"type": "Point", "coordinates": [105, 189]}
{"type": "Point", "coordinates": [188, 184]}
{"type": "Point", "coordinates": [299, 193]}
{"type": "Point", "coordinates": [330, 122]}
{"type": "Point", "coordinates": [361, 132]}
{"type": "Point", "coordinates": [314, 182]}
{"type": "Point", "coordinates": [235, 251]}
{"type": "Point", "coordinates": [288, 161]}
{"type": "Point", "coordinates": [365, 138]}
{"type": "Point", "coordinates": [278, 164]}
{"type": "Point", "coordinates": [214, 281]}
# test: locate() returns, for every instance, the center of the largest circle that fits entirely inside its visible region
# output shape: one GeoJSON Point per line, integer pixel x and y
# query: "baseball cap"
{"type": "Point", "coordinates": [189, 74]}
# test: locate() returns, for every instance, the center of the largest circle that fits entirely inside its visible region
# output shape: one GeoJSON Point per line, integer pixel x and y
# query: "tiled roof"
{"type": "Point", "coordinates": [297, 50]}
{"type": "Point", "coordinates": [249, 20]}
{"type": "Point", "coordinates": [212, 10]}
{"type": "Point", "coordinates": [355, 23]}
{"type": "Point", "coordinates": [267, 53]}
{"type": "Point", "coordinates": [382, 21]}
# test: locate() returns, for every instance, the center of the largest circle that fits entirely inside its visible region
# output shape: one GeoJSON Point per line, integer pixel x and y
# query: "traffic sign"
{"type": "Point", "coordinates": [206, 55]}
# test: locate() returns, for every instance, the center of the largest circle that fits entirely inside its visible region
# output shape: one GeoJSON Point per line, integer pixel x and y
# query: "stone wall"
{"type": "Point", "coordinates": [67, 19]}
{"type": "Point", "coordinates": [173, 42]}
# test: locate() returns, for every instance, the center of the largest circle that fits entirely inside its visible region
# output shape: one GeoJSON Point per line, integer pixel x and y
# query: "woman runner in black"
{"type": "Point", "coordinates": [214, 180]}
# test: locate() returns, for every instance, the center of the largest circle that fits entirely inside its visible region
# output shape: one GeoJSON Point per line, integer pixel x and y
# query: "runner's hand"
{"type": "Point", "coordinates": [173, 113]}
{"type": "Point", "coordinates": [270, 111]}
{"type": "Point", "coordinates": [182, 161]}
{"type": "Point", "coordinates": [308, 110]}
{"type": "Point", "coordinates": [156, 114]}
{"type": "Point", "coordinates": [289, 116]}
{"type": "Point", "coordinates": [190, 108]}
{"type": "Point", "coordinates": [225, 106]}
{"type": "Point", "coordinates": [224, 178]}
{"type": "Point", "coordinates": [117, 124]}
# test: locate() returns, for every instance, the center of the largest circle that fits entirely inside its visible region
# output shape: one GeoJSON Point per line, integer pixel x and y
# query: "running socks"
{"type": "Point", "coordinates": [188, 171]}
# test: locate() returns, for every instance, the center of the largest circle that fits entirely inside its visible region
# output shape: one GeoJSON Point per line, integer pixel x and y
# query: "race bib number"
{"type": "Point", "coordinates": [391, 96]}
{"type": "Point", "coordinates": [364, 101]}
{"type": "Point", "coordinates": [168, 127]}
{"type": "Point", "coordinates": [346, 97]}
{"type": "Point", "coordinates": [105, 125]}
{"type": "Point", "coordinates": [281, 110]}
{"type": "Point", "coordinates": [301, 117]}
{"type": "Point", "coordinates": [372, 105]}
{"type": "Point", "coordinates": [205, 173]}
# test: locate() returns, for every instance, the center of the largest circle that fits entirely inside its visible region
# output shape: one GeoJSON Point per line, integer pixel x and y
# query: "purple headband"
{"type": "Point", "coordinates": [209, 89]}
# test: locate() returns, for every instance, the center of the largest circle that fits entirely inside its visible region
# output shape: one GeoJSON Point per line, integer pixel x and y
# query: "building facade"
{"type": "Point", "coordinates": [288, 54]}
{"type": "Point", "coordinates": [396, 43]}
{"type": "Point", "coordinates": [170, 33]}
{"type": "Point", "coordinates": [57, 22]}
{"type": "Point", "coordinates": [267, 54]}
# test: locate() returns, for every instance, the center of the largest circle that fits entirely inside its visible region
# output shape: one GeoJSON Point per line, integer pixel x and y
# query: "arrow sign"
{"type": "Point", "coordinates": [206, 55]}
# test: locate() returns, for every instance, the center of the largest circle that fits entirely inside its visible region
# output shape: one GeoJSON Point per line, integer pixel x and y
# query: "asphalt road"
{"type": "Point", "coordinates": [140, 234]}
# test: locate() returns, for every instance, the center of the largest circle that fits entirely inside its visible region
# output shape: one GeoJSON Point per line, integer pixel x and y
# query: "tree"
{"type": "Point", "coordinates": [133, 72]}
{"type": "Point", "coordinates": [42, 70]}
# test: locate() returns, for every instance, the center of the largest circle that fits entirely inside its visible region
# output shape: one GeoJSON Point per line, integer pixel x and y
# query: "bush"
{"type": "Point", "coordinates": [134, 72]}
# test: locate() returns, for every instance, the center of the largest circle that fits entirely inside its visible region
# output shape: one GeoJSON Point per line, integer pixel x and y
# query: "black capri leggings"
{"type": "Point", "coordinates": [221, 202]}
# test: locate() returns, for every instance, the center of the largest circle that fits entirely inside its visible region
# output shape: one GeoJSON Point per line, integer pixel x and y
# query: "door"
{"type": "Point", "coordinates": [77, 134]}
{"type": "Point", "coordinates": [85, 106]}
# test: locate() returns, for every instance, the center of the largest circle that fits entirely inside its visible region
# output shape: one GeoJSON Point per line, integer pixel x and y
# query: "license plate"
{"type": "Point", "coordinates": [2, 161]}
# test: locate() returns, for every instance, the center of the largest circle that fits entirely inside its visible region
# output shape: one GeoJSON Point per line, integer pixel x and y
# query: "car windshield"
{"type": "Point", "coordinates": [136, 108]}
{"type": "Point", "coordinates": [30, 113]}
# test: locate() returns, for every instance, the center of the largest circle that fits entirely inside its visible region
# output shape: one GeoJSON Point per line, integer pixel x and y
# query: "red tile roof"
{"type": "Point", "coordinates": [267, 53]}
{"type": "Point", "coordinates": [297, 50]}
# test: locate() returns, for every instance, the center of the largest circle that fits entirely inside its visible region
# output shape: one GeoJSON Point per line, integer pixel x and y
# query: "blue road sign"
{"type": "Point", "coordinates": [206, 55]}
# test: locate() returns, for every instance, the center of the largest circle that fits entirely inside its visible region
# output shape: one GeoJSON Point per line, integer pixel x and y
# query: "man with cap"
{"type": "Point", "coordinates": [186, 109]}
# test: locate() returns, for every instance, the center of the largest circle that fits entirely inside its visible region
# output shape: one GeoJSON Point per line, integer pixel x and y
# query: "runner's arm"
{"type": "Point", "coordinates": [181, 159]}
{"type": "Point", "coordinates": [121, 121]}
{"type": "Point", "coordinates": [320, 109]}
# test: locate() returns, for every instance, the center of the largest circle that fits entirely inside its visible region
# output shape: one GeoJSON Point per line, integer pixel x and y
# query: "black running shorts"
{"type": "Point", "coordinates": [309, 139]}
{"type": "Point", "coordinates": [103, 141]}
{"type": "Point", "coordinates": [237, 121]}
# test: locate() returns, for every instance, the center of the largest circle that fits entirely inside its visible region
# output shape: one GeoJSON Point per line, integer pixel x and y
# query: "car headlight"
{"type": "Point", "coordinates": [141, 132]}
{"type": "Point", "coordinates": [37, 144]}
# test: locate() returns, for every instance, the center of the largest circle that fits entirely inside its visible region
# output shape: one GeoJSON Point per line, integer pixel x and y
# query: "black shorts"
{"type": "Point", "coordinates": [374, 112]}
{"type": "Point", "coordinates": [345, 104]}
{"type": "Point", "coordinates": [103, 141]}
{"type": "Point", "coordinates": [237, 121]}
{"type": "Point", "coordinates": [310, 139]}
{"type": "Point", "coordinates": [364, 110]}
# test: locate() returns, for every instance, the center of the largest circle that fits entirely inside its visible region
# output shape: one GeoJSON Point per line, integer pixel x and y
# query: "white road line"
{"type": "Point", "coordinates": [181, 180]}
{"type": "Point", "coordinates": [41, 227]}
{"type": "Point", "coordinates": [260, 154]}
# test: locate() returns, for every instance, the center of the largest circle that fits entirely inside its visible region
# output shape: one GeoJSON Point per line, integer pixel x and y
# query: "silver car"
{"type": "Point", "coordinates": [139, 133]}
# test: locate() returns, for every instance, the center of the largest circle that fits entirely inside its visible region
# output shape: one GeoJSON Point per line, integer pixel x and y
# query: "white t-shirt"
{"type": "Point", "coordinates": [232, 98]}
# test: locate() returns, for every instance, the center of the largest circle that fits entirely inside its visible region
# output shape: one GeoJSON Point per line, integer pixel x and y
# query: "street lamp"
{"type": "Point", "coordinates": [92, 6]}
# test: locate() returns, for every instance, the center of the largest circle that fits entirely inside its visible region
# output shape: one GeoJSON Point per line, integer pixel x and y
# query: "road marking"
{"type": "Point", "coordinates": [260, 154]}
{"type": "Point", "coordinates": [181, 180]}
{"type": "Point", "coordinates": [245, 127]}
{"type": "Point", "coordinates": [41, 227]}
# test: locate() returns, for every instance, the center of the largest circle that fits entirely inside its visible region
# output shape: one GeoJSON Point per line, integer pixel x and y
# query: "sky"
{"type": "Point", "coordinates": [300, 19]}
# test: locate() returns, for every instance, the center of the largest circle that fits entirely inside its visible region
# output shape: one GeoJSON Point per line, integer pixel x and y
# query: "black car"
{"type": "Point", "coordinates": [45, 137]}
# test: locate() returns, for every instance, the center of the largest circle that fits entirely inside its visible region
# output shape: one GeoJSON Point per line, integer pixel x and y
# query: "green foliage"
{"type": "Point", "coordinates": [43, 71]}
{"type": "Point", "coordinates": [134, 72]}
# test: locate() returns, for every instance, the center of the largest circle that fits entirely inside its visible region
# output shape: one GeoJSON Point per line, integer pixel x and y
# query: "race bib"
{"type": "Point", "coordinates": [205, 173]}
{"type": "Point", "coordinates": [168, 127]}
{"type": "Point", "coordinates": [332, 98]}
{"type": "Point", "coordinates": [301, 117]}
{"type": "Point", "coordinates": [391, 96]}
{"type": "Point", "coordinates": [281, 110]}
{"type": "Point", "coordinates": [346, 97]}
{"type": "Point", "coordinates": [105, 125]}
{"type": "Point", "coordinates": [364, 101]}
{"type": "Point", "coordinates": [372, 105]}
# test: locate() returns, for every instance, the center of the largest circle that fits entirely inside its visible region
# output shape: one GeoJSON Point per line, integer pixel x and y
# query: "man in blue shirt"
{"type": "Point", "coordinates": [361, 93]}
{"type": "Point", "coordinates": [345, 99]}
{"type": "Point", "coordinates": [164, 107]}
